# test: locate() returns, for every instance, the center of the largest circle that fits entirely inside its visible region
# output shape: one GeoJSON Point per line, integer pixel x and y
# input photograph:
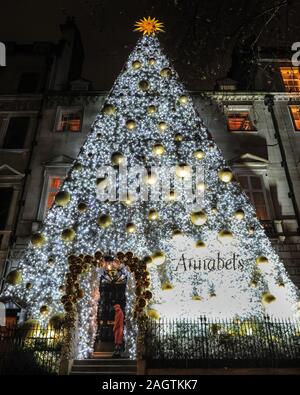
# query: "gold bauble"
{"type": "Point", "coordinates": [183, 170]}
{"type": "Point", "coordinates": [151, 61]}
{"type": "Point", "coordinates": [130, 227]}
{"type": "Point", "coordinates": [261, 260]}
{"type": "Point", "coordinates": [148, 295]}
{"type": "Point", "coordinates": [199, 154]}
{"type": "Point", "coordinates": [62, 198]}
{"type": "Point", "coordinates": [196, 297]}
{"type": "Point", "coordinates": [225, 175]}
{"type": "Point", "coordinates": [225, 235]}
{"type": "Point", "coordinates": [38, 240]}
{"type": "Point", "coordinates": [153, 215]}
{"type": "Point", "coordinates": [166, 72]}
{"type": "Point", "coordinates": [178, 137]}
{"type": "Point", "coordinates": [158, 257]}
{"type": "Point", "coordinates": [200, 244]}
{"type": "Point", "coordinates": [68, 234]}
{"type": "Point", "coordinates": [78, 166]}
{"type": "Point", "coordinates": [142, 303]}
{"type": "Point", "coordinates": [14, 277]}
{"type": "Point", "coordinates": [162, 126]}
{"type": "Point", "coordinates": [102, 182]}
{"type": "Point", "coordinates": [166, 286]}
{"type": "Point", "coordinates": [104, 221]}
{"type": "Point", "coordinates": [183, 100]}
{"type": "Point", "coordinates": [136, 64]}
{"type": "Point", "coordinates": [267, 298]}
{"type": "Point", "coordinates": [144, 85]}
{"type": "Point", "coordinates": [109, 109]}
{"type": "Point", "coordinates": [28, 286]}
{"type": "Point", "coordinates": [82, 207]}
{"type": "Point", "coordinates": [251, 230]}
{"type": "Point", "coordinates": [158, 149]}
{"type": "Point", "coordinates": [130, 124]}
{"type": "Point", "coordinates": [153, 314]}
{"type": "Point", "coordinates": [201, 186]}
{"type": "Point", "coordinates": [177, 233]}
{"type": "Point", "coordinates": [239, 214]}
{"type": "Point", "coordinates": [117, 158]}
{"type": "Point", "coordinates": [198, 217]}
{"type": "Point", "coordinates": [151, 109]}
{"type": "Point", "coordinates": [51, 260]}
{"type": "Point", "coordinates": [214, 210]}
{"type": "Point", "coordinates": [44, 310]}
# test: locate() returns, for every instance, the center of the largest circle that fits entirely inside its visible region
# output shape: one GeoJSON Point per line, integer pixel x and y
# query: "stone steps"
{"type": "Point", "coordinates": [103, 363]}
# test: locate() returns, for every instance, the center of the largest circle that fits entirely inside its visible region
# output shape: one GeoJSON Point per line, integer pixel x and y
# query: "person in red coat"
{"type": "Point", "coordinates": [118, 329]}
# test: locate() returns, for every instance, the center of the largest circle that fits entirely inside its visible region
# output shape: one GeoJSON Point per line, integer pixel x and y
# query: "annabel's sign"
{"type": "Point", "coordinates": [212, 263]}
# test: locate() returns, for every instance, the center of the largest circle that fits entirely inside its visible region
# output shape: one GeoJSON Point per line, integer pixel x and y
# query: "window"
{"type": "Point", "coordinates": [29, 83]}
{"type": "Point", "coordinates": [291, 78]}
{"type": "Point", "coordinates": [69, 120]}
{"type": "Point", "coordinates": [16, 133]}
{"type": "Point", "coordinates": [53, 187]}
{"type": "Point", "coordinates": [239, 121]}
{"type": "Point", "coordinates": [295, 112]}
{"type": "Point", "coordinates": [253, 187]}
{"type": "Point", "coordinates": [5, 200]}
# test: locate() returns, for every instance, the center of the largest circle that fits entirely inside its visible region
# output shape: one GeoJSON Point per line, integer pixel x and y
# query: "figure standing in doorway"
{"type": "Point", "coordinates": [118, 330]}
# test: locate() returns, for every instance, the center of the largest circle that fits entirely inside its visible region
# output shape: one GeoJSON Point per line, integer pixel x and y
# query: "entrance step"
{"type": "Point", "coordinates": [104, 365]}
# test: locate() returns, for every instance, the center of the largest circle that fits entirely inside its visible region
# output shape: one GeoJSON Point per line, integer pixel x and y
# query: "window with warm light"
{"type": "Point", "coordinates": [254, 189]}
{"type": "Point", "coordinates": [291, 78]}
{"type": "Point", "coordinates": [239, 122]}
{"type": "Point", "coordinates": [53, 188]}
{"type": "Point", "coordinates": [295, 112]}
{"type": "Point", "coordinates": [69, 120]}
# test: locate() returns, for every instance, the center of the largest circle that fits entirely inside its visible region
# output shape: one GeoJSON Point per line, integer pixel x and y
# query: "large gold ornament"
{"type": "Point", "coordinates": [136, 64]}
{"type": "Point", "coordinates": [166, 286]}
{"type": "Point", "coordinates": [200, 244]}
{"type": "Point", "coordinates": [162, 126]}
{"type": "Point", "coordinates": [177, 233]}
{"type": "Point", "coordinates": [158, 257]}
{"type": "Point", "coordinates": [109, 109]}
{"type": "Point", "coordinates": [199, 154]}
{"type": "Point", "coordinates": [14, 277]}
{"type": "Point", "coordinates": [144, 85]}
{"type": "Point", "coordinates": [158, 149]}
{"type": "Point", "coordinates": [268, 298]}
{"type": "Point", "coordinates": [68, 234]}
{"type": "Point", "coordinates": [151, 109]}
{"type": "Point", "coordinates": [178, 137]}
{"type": "Point", "coordinates": [225, 236]}
{"type": "Point", "coordinates": [130, 124]}
{"type": "Point", "coordinates": [82, 207]}
{"type": "Point", "coordinates": [239, 214]}
{"type": "Point", "coordinates": [149, 26]}
{"type": "Point", "coordinates": [198, 218]}
{"type": "Point", "coordinates": [117, 158]}
{"type": "Point", "coordinates": [262, 260]}
{"type": "Point", "coordinates": [62, 198]}
{"type": "Point", "coordinates": [225, 175]}
{"type": "Point", "coordinates": [153, 215]}
{"type": "Point", "coordinates": [130, 228]}
{"type": "Point", "coordinates": [38, 240]}
{"type": "Point", "coordinates": [166, 72]}
{"type": "Point", "coordinates": [104, 221]}
{"type": "Point", "coordinates": [183, 100]}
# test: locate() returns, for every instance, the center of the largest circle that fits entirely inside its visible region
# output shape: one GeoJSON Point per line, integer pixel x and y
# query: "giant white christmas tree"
{"type": "Point", "coordinates": [178, 209]}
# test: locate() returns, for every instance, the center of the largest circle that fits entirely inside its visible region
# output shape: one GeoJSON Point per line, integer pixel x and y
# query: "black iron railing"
{"type": "Point", "coordinates": [222, 343]}
{"type": "Point", "coordinates": [32, 350]}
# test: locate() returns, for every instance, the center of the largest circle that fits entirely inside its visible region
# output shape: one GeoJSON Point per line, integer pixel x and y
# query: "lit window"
{"type": "Point", "coordinates": [54, 185]}
{"type": "Point", "coordinates": [295, 112]}
{"type": "Point", "coordinates": [239, 121]}
{"type": "Point", "coordinates": [69, 121]}
{"type": "Point", "coordinates": [291, 78]}
{"type": "Point", "coordinates": [254, 189]}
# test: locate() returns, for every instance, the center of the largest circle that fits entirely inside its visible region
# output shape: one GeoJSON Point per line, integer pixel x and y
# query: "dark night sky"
{"type": "Point", "coordinates": [199, 34]}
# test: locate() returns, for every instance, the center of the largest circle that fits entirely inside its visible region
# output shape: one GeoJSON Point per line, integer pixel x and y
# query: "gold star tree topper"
{"type": "Point", "coordinates": [149, 26]}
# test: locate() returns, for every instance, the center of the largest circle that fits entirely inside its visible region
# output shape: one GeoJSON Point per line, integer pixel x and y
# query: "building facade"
{"type": "Point", "coordinates": [46, 112]}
